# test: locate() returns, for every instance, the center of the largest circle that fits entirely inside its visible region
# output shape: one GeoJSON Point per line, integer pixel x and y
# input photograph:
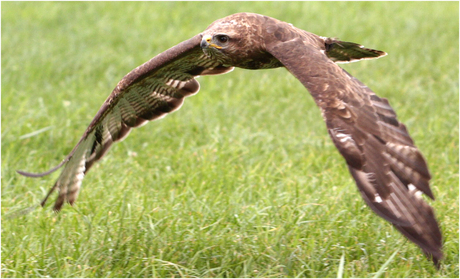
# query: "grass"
{"type": "Point", "coordinates": [243, 181]}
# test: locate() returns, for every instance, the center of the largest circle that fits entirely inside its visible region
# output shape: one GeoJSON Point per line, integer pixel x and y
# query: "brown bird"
{"type": "Point", "coordinates": [390, 172]}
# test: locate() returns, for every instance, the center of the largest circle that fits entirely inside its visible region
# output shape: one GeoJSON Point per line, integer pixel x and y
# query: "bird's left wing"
{"type": "Point", "coordinates": [148, 92]}
{"type": "Point", "coordinates": [389, 170]}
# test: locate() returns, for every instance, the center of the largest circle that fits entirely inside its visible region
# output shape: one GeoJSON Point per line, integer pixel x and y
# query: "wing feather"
{"type": "Point", "coordinates": [388, 169]}
{"type": "Point", "coordinates": [148, 92]}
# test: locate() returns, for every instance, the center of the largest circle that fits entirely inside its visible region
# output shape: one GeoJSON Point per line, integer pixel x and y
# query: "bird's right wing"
{"type": "Point", "coordinates": [148, 92]}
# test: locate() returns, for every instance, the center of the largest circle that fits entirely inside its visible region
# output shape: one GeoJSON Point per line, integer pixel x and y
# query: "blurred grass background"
{"type": "Point", "coordinates": [243, 181]}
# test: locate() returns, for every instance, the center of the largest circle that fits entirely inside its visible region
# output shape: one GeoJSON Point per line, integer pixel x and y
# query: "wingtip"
{"type": "Point", "coordinates": [437, 263]}
{"type": "Point", "coordinates": [347, 52]}
{"type": "Point", "coordinates": [30, 174]}
{"type": "Point", "coordinates": [436, 257]}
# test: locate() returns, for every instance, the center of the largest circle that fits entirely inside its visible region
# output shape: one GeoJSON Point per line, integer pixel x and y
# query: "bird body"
{"type": "Point", "coordinates": [389, 170]}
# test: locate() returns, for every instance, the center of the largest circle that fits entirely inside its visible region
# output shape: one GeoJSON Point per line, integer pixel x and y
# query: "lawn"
{"type": "Point", "coordinates": [244, 180]}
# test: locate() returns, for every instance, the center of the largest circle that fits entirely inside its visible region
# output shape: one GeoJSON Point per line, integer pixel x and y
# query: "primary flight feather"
{"type": "Point", "coordinates": [390, 172]}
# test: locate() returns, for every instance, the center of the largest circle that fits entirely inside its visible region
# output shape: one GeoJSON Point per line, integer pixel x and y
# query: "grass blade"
{"type": "Point", "coordinates": [34, 133]}
{"type": "Point", "coordinates": [382, 269]}
{"type": "Point", "coordinates": [341, 265]}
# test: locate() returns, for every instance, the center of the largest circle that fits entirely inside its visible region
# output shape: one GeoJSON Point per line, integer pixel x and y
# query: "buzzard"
{"type": "Point", "coordinates": [389, 170]}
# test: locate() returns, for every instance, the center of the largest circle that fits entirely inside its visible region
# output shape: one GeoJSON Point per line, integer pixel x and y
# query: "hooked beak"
{"type": "Point", "coordinates": [206, 42]}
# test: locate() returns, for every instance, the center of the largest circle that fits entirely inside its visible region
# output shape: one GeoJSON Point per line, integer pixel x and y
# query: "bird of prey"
{"type": "Point", "coordinates": [389, 170]}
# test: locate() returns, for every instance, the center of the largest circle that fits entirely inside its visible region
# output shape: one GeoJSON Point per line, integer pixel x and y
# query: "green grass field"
{"type": "Point", "coordinates": [244, 180]}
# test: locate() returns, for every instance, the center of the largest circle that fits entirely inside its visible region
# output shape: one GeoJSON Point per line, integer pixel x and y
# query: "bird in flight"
{"type": "Point", "coordinates": [389, 170]}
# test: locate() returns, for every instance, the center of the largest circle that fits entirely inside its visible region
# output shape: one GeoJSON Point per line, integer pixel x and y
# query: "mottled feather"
{"type": "Point", "coordinates": [380, 153]}
{"type": "Point", "coordinates": [389, 170]}
{"type": "Point", "coordinates": [149, 92]}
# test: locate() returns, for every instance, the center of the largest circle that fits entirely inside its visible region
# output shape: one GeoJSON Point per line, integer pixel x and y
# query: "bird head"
{"type": "Point", "coordinates": [238, 40]}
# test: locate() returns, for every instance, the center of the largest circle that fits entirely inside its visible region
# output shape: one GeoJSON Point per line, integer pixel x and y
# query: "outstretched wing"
{"type": "Point", "coordinates": [389, 170]}
{"type": "Point", "coordinates": [148, 92]}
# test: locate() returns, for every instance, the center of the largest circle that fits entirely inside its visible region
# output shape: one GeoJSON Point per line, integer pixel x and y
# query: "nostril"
{"type": "Point", "coordinates": [204, 44]}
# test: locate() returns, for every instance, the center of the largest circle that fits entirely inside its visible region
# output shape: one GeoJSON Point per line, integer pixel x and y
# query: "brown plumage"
{"type": "Point", "coordinates": [389, 170]}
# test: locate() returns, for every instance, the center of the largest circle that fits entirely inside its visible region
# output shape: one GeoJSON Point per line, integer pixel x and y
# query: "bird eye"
{"type": "Point", "coordinates": [222, 38]}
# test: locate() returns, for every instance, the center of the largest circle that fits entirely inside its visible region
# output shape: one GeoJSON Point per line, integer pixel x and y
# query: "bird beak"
{"type": "Point", "coordinates": [206, 42]}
